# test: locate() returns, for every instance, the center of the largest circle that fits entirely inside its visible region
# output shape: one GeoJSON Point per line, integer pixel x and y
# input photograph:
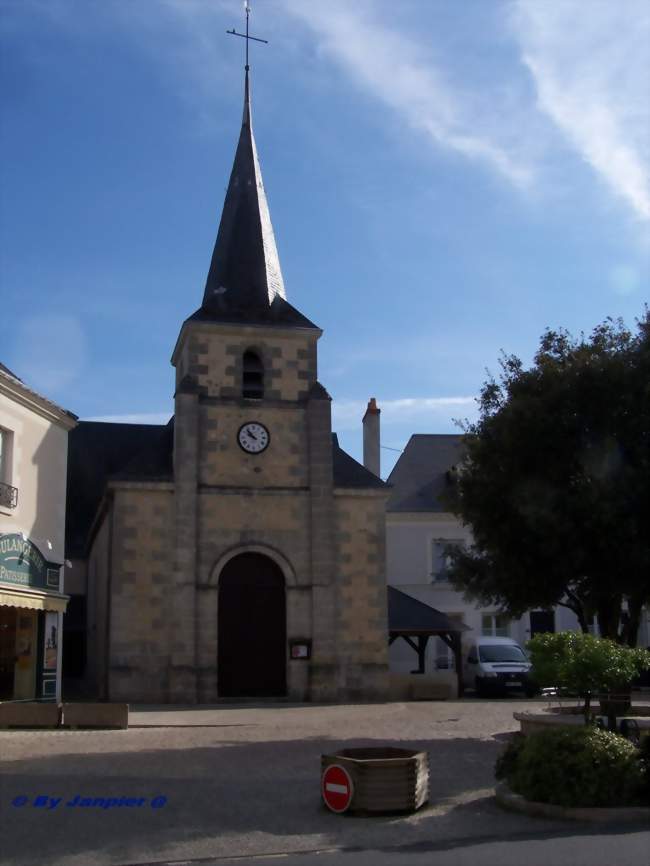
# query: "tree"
{"type": "Point", "coordinates": [584, 664]}
{"type": "Point", "coordinates": [556, 478]}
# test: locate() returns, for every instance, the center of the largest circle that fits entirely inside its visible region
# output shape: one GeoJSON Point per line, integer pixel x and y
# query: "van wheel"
{"type": "Point", "coordinates": [479, 687]}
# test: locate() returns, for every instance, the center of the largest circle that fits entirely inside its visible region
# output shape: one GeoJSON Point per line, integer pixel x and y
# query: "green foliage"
{"type": "Point", "coordinates": [643, 786]}
{"type": "Point", "coordinates": [555, 479]}
{"type": "Point", "coordinates": [507, 760]}
{"type": "Point", "coordinates": [581, 663]}
{"type": "Point", "coordinates": [577, 767]}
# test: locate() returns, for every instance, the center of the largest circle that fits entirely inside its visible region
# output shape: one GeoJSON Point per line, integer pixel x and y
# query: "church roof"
{"type": "Point", "coordinates": [348, 472]}
{"type": "Point", "coordinates": [419, 478]}
{"type": "Point", "coordinates": [97, 451]}
{"type": "Point", "coordinates": [245, 281]}
{"type": "Point", "coordinates": [279, 313]}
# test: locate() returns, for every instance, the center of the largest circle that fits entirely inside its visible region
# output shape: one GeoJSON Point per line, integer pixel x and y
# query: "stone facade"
{"type": "Point", "coordinates": [159, 549]}
{"type": "Point", "coordinates": [278, 547]}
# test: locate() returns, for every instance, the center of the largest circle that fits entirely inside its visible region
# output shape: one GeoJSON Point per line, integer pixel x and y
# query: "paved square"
{"type": "Point", "coordinates": [243, 781]}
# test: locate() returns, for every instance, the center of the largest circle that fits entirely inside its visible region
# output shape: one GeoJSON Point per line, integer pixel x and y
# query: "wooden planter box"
{"type": "Point", "coordinates": [385, 779]}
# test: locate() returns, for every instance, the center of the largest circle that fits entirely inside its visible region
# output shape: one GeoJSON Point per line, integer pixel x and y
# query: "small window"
{"type": "Point", "coordinates": [252, 376]}
{"type": "Point", "coordinates": [8, 494]}
{"type": "Point", "coordinates": [5, 455]}
{"type": "Point", "coordinates": [495, 625]}
{"type": "Point", "coordinates": [440, 560]}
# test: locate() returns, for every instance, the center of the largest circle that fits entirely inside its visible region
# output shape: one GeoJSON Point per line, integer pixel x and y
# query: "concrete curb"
{"type": "Point", "coordinates": [507, 799]}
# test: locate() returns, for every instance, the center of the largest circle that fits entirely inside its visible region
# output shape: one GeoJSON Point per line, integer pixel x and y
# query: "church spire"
{"type": "Point", "coordinates": [245, 269]}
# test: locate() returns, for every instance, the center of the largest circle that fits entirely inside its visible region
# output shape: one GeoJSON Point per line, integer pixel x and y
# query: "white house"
{"type": "Point", "coordinates": [33, 459]}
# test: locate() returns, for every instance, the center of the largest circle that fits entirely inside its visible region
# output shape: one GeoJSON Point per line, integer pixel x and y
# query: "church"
{"type": "Point", "coordinates": [237, 551]}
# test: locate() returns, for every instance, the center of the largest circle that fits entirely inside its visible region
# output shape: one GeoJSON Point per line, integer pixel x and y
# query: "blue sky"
{"type": "Point", "coordinates": [445, 181]}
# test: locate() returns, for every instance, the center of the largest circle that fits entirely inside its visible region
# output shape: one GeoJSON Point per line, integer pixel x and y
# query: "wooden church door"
{"type": "Point", "coordinates": [252, 636]}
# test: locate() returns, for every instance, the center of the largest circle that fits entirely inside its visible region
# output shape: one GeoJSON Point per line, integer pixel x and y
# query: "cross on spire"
{"type": "Point", "coordinates": [245, 36]}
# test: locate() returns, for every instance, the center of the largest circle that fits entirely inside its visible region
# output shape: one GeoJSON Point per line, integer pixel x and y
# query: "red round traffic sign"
{"type": "Point", "coordinates": [337, 788]}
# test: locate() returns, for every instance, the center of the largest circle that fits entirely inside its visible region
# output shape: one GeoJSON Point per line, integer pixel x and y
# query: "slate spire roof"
{"type": "Point", "coordinates": [245, 269]}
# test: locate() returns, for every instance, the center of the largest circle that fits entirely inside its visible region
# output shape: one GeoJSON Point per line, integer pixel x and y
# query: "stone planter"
{"type": "Point", "coordinates": [29, 714]}
{"type": "Point", "coordinates": [516, 803]}
{"type": "Point", "coordinates": [569, 717]}
{"type": "Point", "coordinates": [385, 779]}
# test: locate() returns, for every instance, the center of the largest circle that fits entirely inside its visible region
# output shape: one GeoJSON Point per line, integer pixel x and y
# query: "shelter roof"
{"type": "Point", "coordinates": [407, 615]}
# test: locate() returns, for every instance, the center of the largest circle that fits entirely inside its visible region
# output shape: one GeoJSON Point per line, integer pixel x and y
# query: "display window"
{"type": "Point", "coordinates": [18, 653]}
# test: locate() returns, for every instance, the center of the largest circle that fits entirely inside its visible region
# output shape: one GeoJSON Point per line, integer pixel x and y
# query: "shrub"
{"type": "Point", "coordinates": [643, 784]}
{"type": "Point", "coordinates": [584, 664]}
{"type": "Point", "coordinates": [507, 760]}
{"type": "Point", "coordinates": [574, 767]}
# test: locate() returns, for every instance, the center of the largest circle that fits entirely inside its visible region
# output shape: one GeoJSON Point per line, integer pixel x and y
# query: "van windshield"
{"type": "Point", "coordinates": [501, 653]}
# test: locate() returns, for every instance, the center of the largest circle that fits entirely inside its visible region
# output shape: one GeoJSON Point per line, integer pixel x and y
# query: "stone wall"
{"type": "Point", "coordinates": [144, 613]}
{"type": "Point", "coordinates": [212, 354]}
{"type": "Point", "coordinates": [363, 625]}
{"type": "Point", "coordinates": [223, 462]}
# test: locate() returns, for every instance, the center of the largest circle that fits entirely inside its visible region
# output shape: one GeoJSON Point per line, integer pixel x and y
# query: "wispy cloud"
{"type": "Point", "coordinates": [591, 65]}
{"type": "Point", "coordinates": [398, 71]}
{"type": "Point", "coordinates": [135, 418]}
{"type": "Point", "coordinates": [347, 414]}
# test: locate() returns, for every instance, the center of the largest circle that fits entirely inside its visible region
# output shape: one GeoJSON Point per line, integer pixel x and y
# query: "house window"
{"type": "Point", "coordinates": [6, 438]}
{"type": "Point", "coordinates": [495, 625]}
{"type": "Point", "coordinates": [8, 494]}
{"type": "Point", "coordinates": [440, 561]}
{"type": "Point", "coordinates": [252, 376]}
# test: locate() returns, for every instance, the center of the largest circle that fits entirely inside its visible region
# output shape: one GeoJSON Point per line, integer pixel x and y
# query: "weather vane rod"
{"type": "Point", "coordinates": [245, 36]}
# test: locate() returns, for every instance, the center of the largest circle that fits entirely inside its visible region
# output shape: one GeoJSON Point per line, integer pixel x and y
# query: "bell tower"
{"type": "Point", "coordinates": [278, 534]}
{"type": "Point", "coordinates": [253, 441]}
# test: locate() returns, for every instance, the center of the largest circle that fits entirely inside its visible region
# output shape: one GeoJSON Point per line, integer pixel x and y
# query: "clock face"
{"type": "Point", "coordinates": [253, 437]}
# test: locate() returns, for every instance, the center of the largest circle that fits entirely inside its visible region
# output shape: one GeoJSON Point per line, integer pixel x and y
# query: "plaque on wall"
{"type": "Point", "coordinates": [300, 648]}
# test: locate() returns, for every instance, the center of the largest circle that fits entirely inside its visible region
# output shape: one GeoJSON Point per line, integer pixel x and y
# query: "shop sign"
{"type": "Point", "coordinates": [22, 564]}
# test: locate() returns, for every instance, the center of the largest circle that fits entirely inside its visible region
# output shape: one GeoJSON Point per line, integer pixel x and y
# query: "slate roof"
{"type": "Point", "coordinates": [419, 477]}
{"type": "Point", "coordinates": [5, 371]}
{"type": "Point", "coordinates": [9, 372]}
{"type": "Point", "coordinates": [279, 313]}
{"type": "Point", "coordinates": [348, 472]}
{"type": "Point", "coordinates": [407, 615]}
{"type": "Point", "coordinates": [98, 451]}
{"type": "Point", "coordinates": [245, 279]}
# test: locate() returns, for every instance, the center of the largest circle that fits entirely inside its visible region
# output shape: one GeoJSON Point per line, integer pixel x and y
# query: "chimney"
{"type": "Point", "coordinates": [371, 437]}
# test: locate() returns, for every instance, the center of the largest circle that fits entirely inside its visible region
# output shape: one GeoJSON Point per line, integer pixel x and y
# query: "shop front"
{"type": "Point", "coordinates": [32, 605]}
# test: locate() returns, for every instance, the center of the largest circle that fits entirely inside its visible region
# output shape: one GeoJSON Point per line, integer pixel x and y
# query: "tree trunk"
{"type": "Point", "coordinates": [576, 606]}
{"type": "Point", "coordinates": [609, 617]}
{"type": "Point", "coordinates": [631, 626]}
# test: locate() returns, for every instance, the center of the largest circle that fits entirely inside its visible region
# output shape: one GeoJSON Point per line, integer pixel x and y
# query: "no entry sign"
{"type": "Point", "coordinates": [337, 788]}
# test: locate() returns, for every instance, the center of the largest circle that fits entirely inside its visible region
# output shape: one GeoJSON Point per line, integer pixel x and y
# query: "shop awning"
{"type": "Point", "coordinates": [33, 600]}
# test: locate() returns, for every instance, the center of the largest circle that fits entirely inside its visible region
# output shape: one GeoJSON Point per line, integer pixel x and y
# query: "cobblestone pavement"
{"type": "Point", "coordinates": [243, 781]}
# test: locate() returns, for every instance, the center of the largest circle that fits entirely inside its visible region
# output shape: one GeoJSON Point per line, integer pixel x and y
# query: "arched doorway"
{"type": "Point", "coordinates": [252, 625]}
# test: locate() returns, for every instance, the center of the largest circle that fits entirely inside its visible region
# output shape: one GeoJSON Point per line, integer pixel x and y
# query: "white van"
{"type": "Point", "coordinates": [496, 665]}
